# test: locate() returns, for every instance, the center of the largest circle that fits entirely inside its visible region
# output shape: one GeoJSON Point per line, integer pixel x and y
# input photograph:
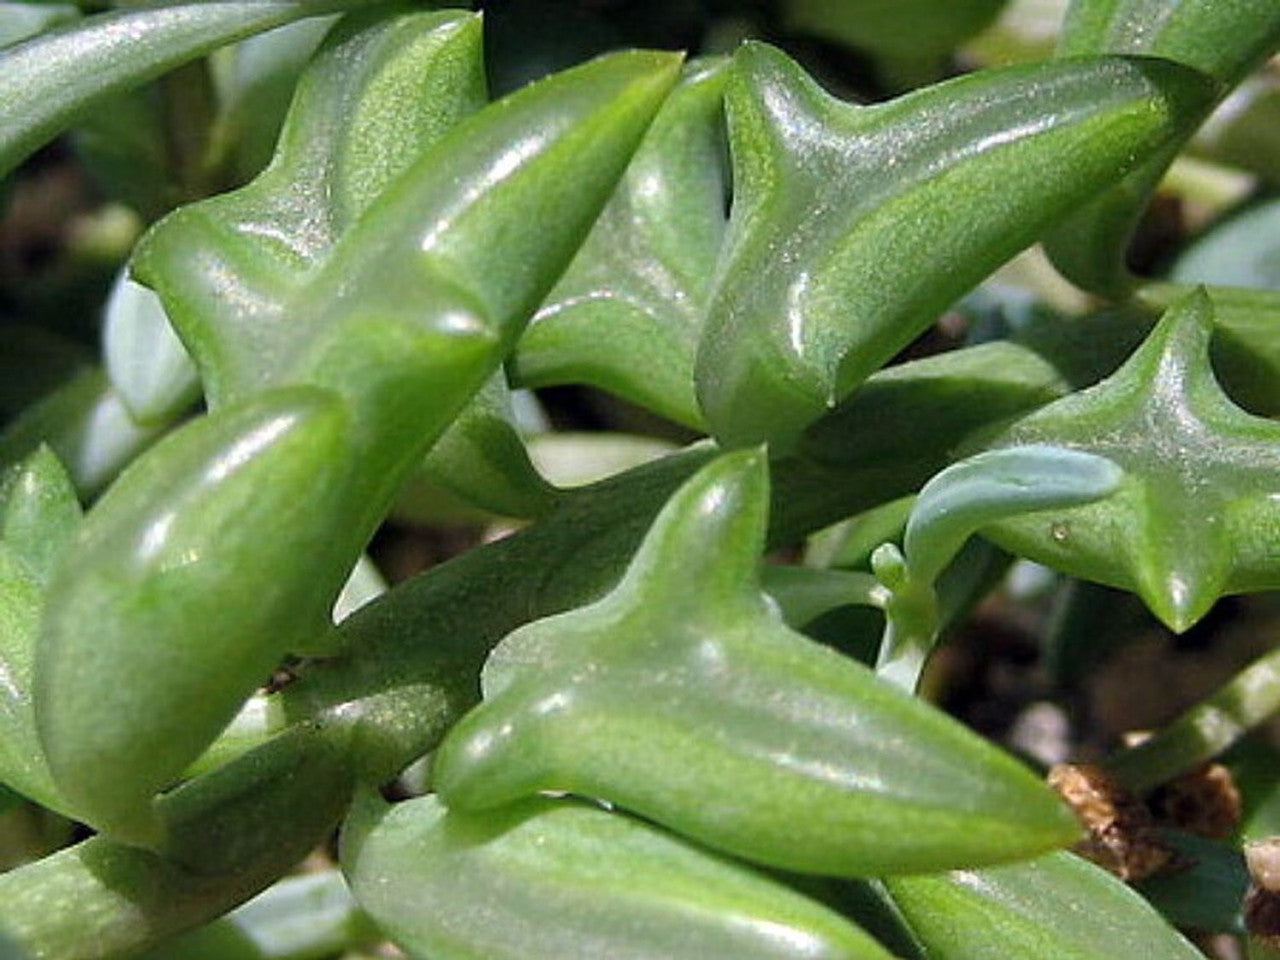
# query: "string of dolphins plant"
{"type": "Point", "coordinates": [632, 746]}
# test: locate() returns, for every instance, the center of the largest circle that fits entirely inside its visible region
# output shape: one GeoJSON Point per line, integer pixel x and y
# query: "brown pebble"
{"type": "Point", "coordinates": [1122, 836]}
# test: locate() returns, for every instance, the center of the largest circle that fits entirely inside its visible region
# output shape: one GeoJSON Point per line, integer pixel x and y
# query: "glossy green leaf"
{"type": "Point", "coordinates": [482, 459]}
{"type": "Point", "coordinates": [170, 580]}
{"type": "Point", "coordinates": [563, 879]}
{"type": "Point", "coordinates": [146, 362]}
{"type": "Point", "coordinates": [1224, 39]}
{"type": "Point", "coordinates": [173, 581]}
{"type": "Point", "coordinates": [1058, 907]}
{"type": "Point", "coordinates": [38, 516]}
{"type": "Point", "coordinates": [47, 80]}
{"type": "Point", "coordinates": [798, 758]}
{"type": "Point", "coordinates": [1196, 515]}
{"type": "Point", "coordinates": [854, 227]}
{"type": "Point", "coordinates": [235, 831]}
{"type": "Point", "coordinates": [235, 272]}
{"type": "Point", "coordinates": [627, 314]}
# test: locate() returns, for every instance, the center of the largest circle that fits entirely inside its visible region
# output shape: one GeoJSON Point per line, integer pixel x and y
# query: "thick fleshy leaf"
{"type": "Point", "coordinates": [39, 512]}
{"type": "Point", "coordinates": [388, 339]}
{"type": "Point", "coordinates": [171, 606]}
{"type": "Point", "coordinates": [47, 80]}
{"type": "Point", "coordinates": [627, 314]}
{"type": "Point", "coordinates": [797, 757]}
{"type": "Point", "coordinates": [38, 516]}
{"type": "Point", "coordinates": [146, 362]}
{"type": "Point", "coordinates": [414, 656]}
{"type": "Point", "coordinates": [854, 227]}
{"type": "Point", "coordinates": [1058, 907]}
{"type": "Point", "coordinates": [482, 459]}
{"type": "Point", "coordinates": [562, 879]}
{"type": "Point", "coordinates": [233, 269]}
{"type": "Point", "coordinates": [1222, 40]}
{"type": "Point", "coordinates": [235, 831]}
{"type": "Point", "coordinates": [1197, 514]}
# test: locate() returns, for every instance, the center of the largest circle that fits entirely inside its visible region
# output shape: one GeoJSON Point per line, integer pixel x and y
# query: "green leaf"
{"type": "Point", "coordinates": [482, 459]}
{"type": "Point", "coordinates": [171, 582]}
{"type": "Point", "coordinates": [1196, 515]}
{"type": "Point", "coordinates": [47, 80]}
{"type": "Point", "coordinates": [235, 271]}
{"type": "Point", "coordinates": [1222, 40]}
{"type": "Point", "coordinates": [1058, 907]}
{"type": "Point", "coordinates": [644, 272]}
{"type": "Point", "coordinates": [854, 227]}
{"type": "Point", "coordinates": [563, 879]}
{"type": "Point", "coordinates": [39, 514]}
{"type": "Point", "coordinates": [798, 757]}
{"type": "Point", "coordinates": [236, 831]}
{"type": "Point", "coordinates": [186, 586]}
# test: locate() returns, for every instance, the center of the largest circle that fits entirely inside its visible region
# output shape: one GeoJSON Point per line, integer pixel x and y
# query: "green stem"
{"type": "Point", "coordinates": [1204, 731]}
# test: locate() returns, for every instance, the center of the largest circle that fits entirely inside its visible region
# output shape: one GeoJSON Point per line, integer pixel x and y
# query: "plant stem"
{"type": "Point", "coordinates": [1204, 731]}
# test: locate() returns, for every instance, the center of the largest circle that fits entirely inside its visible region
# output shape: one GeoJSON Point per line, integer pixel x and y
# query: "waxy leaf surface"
{"type": "Point", "coordinates": [628, 312]}
{"type": "Point", "coordinates": [38, 516]}
{"type": "Point", "coordinates": [683, 697]}
{"type": "Point", "coordinates": [187, 574]}
{"type": "Point", "coordinates": [562, 879]}
{"type": "Point", "coordinates": [1198, 512]}
{"type": "Point", "coordinates": [853, 227]}
{"type": "Point", "coordinates": [234, 832]}
{"type": "Point", "coordinates": [1224, 39]}
{"type": "Point", "coordinates": [1057, 907]}
{"type": "Point", "coordinates": [170, 606]}
{"type": "Point", "coordinates": [47, 80]}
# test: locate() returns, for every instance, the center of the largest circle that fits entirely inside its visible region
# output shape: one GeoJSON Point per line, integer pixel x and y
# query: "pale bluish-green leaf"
{"type": "Point", "coordinates": [146, 362]}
